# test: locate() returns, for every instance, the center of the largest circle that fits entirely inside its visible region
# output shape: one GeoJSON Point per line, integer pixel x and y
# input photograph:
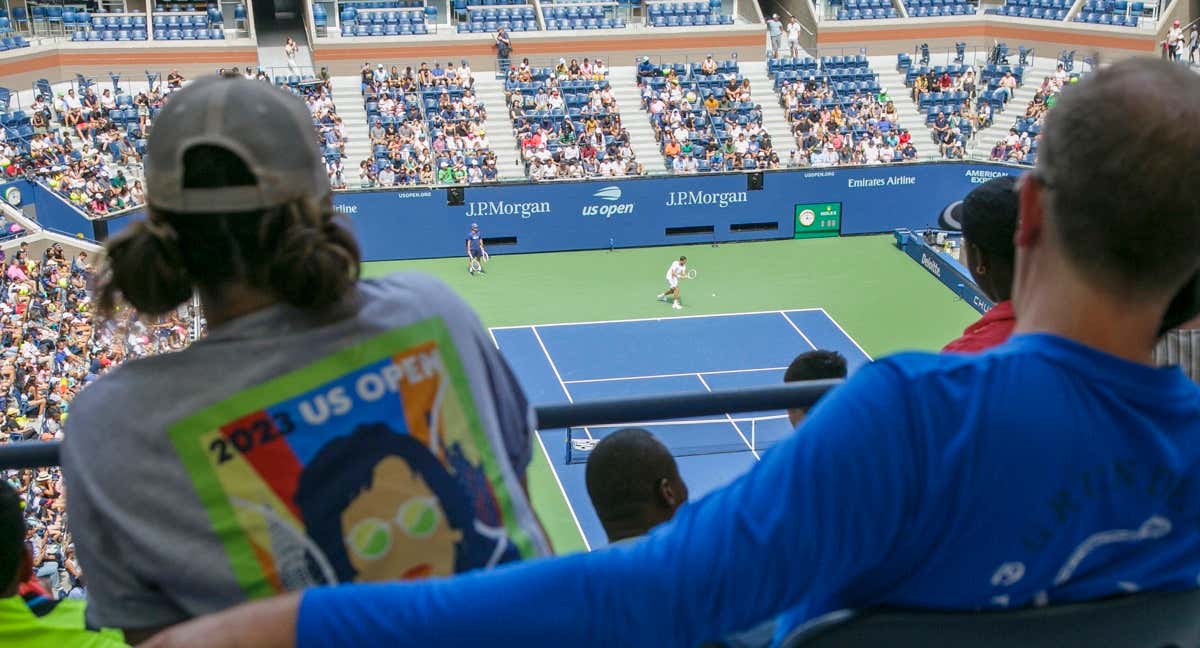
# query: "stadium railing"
{"type": "Point", "coordinates": [39, 454]}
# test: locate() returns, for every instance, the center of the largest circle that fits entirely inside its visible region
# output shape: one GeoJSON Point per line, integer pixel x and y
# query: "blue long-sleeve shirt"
{"type": "Point", "coordinates": [1040, 472]}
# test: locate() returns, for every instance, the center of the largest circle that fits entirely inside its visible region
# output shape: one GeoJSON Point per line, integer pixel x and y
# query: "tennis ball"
{"type": "Point", "coordinates": [714, 294]}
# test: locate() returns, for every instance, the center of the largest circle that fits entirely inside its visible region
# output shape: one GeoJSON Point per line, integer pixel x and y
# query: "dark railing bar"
{"type": "Point", "coordinates": [608, 411]}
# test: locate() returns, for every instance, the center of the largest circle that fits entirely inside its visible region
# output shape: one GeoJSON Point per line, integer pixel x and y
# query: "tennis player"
{"type": "Point", "coordinates": [677, 271]}
{"type": "Point", "coordinates": [476, 253]}
{"type": "Point", "coordinates": [326, 430]}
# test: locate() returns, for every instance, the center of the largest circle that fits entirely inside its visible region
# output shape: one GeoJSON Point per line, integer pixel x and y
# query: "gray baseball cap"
{"type": "Point", "coordinates": [269, 129]}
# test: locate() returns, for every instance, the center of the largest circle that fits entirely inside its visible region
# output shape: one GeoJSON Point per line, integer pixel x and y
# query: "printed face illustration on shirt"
{"type": "Point", "coordinates": [370, 464]}
{"type": "Point", "coordinates": [413, 540]}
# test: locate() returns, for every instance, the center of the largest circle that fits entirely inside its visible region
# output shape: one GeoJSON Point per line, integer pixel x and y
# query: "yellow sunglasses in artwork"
{"type": "Point", "coordinates": [417, 518]}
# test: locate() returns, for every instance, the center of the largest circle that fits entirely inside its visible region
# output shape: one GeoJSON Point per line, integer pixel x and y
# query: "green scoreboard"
{"type": "Point", "coordinates": [817, 220]}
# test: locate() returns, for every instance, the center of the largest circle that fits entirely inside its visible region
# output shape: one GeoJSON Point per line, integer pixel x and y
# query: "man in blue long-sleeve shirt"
{"type": "Point", "coordinates": [1057, 467]}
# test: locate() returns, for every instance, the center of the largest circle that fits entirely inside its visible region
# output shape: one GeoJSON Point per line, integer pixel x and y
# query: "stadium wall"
{"type": "Point", "coordinates": [1046, 37]}
{"type": "Point", "coordinates": [590, 215]}
{"type": "Point", "coordinates": [59, 62]}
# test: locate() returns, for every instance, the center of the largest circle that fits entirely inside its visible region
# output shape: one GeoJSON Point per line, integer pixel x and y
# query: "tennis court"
{"type": "Point", "coordinates": [583, 361]}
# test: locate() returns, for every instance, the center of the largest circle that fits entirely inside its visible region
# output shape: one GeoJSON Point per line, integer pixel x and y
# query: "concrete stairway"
{"type": "Point", "coordinates": [347, 97]}
{"type": "Point", "coordinates": [981, 145]}
{"type": "Point", "coordinates": [775, 120]}
{"type": "Point", "coordinates": [892, 82]}
{"type": "Point", "coordinates": [637, 121]}
{"type": "Point", "coordinates": [500, 132]}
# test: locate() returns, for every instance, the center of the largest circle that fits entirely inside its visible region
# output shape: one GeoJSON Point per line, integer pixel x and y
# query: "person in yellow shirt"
{"type": "Point", "coordinates": [37, 622]}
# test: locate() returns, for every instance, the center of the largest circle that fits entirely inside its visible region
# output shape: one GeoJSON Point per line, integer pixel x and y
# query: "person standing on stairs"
{"type": "Point", "coordinates": [775, 32]}
{"type": "Point", "coordinates": [503, 48]}
{"type": "Point", "coordinates": [793, 34]}
{"type": "Point", "coordinates": [289, 51]}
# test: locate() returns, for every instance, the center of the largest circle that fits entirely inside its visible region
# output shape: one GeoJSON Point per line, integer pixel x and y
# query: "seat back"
{"type": "Point", "coordinates": [1148, 620]}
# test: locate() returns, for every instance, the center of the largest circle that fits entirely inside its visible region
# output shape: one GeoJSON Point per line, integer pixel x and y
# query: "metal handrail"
{"type": "Point", "coordinates": [39, 454]}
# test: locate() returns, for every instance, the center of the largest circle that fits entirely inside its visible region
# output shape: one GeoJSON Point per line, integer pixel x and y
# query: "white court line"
{"type": "Point", "coordinates": [797, 328]}
{"type": "Point", "coordinates": [558, 376]}
{"type": "Point", "coordinates": [732, 422]}
{"type": "Point", "coordinates": [553, 471]}
{"type": "Point", "coordinates": [574, 517]}
{"type": "Point", "coordinates": [670, 375]}
{"type": "Point", "coordinates": [839, 327]}
{"type": "Point", "coordinates": [653, 319]}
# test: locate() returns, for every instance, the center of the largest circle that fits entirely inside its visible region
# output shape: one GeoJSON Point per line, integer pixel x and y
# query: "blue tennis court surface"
{"type": "Point", "coordinates": [558, 363]}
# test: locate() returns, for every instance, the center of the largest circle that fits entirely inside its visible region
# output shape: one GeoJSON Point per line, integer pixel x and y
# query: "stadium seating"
{"type": "Point", "coordinates": [1020, 145]}
{"type": "Point", "coordinates": [727, 137]}
{"type": "Point", "coordinates": [686, 14]}
{"type": "Point", "coordinates": [1037, 9]}
{"type": "Point", "coordinates": [552, 109]}
{"type": "Point", "coordinates": [1118, 13]}
{"type": "Point", "coordinates": [581, 16]}
{"type": "Point", "coordinates": [938, 8]}
{"type": "Point", "coordinates": [867, 10]}
{"type": "Point", "coordinates": [433, 127]}
{"type": "Point", "coordinates": [383, 21]}
{"type": "Point", "coordinates": [809, 88]}
{"type": "Point", "coordinates": [514, 18]}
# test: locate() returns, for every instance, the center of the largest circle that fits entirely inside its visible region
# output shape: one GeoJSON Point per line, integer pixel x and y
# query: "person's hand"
{"type": "Point", "coordinates": [263, 624]}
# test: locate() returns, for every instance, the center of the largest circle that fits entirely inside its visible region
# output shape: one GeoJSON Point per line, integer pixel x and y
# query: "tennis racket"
{"type": "Point", "coordinates": [691, 274]}
{"type": "Point", "coordinates": [476, 266]}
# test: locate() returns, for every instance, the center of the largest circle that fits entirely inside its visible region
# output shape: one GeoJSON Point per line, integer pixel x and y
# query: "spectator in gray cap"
{"type": "Point", "coordinates": [326, 430]}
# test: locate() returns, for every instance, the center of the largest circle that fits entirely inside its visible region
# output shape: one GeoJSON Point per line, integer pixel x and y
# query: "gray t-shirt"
{"type": "Point", "coordinates": [384, 440]}
{"type": "Point", "coordinates": [1180, 347]}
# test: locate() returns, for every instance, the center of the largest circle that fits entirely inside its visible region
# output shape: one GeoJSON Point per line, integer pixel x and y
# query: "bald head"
{"type": "Point", "coordinates": [633, 483]}
{"type": "Point", "coordinates": [1117, 168]}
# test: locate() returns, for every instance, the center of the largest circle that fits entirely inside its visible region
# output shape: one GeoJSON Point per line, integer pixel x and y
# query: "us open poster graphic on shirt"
{"type": "Point", "coordinates": [369, 464]}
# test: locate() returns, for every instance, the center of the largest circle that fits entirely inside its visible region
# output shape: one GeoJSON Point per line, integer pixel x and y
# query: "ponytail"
{"type": "Point", "coordinates": [145, 267]}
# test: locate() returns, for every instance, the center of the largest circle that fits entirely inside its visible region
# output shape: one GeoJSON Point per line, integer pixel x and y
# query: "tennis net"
{"type": "Point", "coordinates": [690, 437]}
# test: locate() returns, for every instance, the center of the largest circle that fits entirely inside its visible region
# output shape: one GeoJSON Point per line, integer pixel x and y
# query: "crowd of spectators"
{"type": "Point", "coordinates": [704, 117]}
{"type": "Point", "coordinates": [87, 143]}
{"type": "Point", "coordinates": [832, 130]}
{"type": "Point", "coordinates": [426, 126]}
{"type": "Point", "coordinates": [50, 347]}
{"type": "Point", "coordinates": [567, 122]}
{"type": "Point", "coordinates": [1020, 145]}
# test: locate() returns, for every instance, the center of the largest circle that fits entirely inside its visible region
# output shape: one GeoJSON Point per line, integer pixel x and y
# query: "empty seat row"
{"type": "Point", "coordinates": [487, 26]}
{"type": "Point", "coordinates": [186, 34]}
{"type": "Point", "coordinates": [384, 18]}
{"type": "Point", "coordinates": [13, 42]}
{"type": "Point", "coordinates": [1114, 7]}
{"type": "Point", "coordinates": [1044, 4]}
{"type": "Point", "coordinates": [1038, 13]}
{"type": "Point", "coordinates": [689, 20]}
{"type": "Point", "coordinates": [176, 7]}
{"type": "Point", "coordinates": [584, 23]}
{"type": "Point", "coordinates": [1107, 19]}
{"type": "Point", "coordinates": [867, 14]}
{"type": "Point", "coordinates": [514, 13]}
{"type": "Point", "coordinates": [172, 21]}
{"type": "Point", "coordinates": [389, 29]}
{"type": "Point", "coordinates": [941, 11]}
{"type": "Point", "coordinates": [681, 8]}
{"type": "Point", "coordinates": [573, 11]}
{"type": "Point", "coordinates": [111, 35]}
{"type": "Point", "coordinates": [118, 22]}
{"type": "Point", "coordinates": [868, 4]}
